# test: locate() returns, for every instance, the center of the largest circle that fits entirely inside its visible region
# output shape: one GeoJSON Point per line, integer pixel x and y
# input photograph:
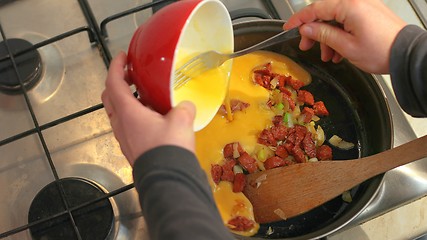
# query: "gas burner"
{"type": "Point", "coordinates": [29, 66]}
{"type": "Point", "coordinates": [93, 222]}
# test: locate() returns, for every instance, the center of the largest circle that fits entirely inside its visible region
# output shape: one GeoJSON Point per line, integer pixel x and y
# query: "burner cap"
{"type": "Point", "coordinates": [29, 67]}
{"type": "Point", "coordinates": [93, 222]}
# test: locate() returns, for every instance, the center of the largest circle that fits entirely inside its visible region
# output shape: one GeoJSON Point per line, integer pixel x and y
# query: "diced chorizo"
{"type": "Point", "coordinates": [291, 136]}
{"type": "Point", "coordinates": [320, 109]}
{"type": "Point", "coordinates": [239, 182]}
{"type": "Point", "coordinates": [216, 172]}
{"type": "Point", "coordinates": [279, 132]}
{"type": "Point", "coordinates": [308, 113]}
{"type": "Point", "coordinates": [290, 101]}
{"type": "Point", "coordinates": [228, 149]}
{"type": "Point", "coordinates": [274, 162]}
{"type": "Point", "coordinates": [281, 151]}
{"type": "Point", "coordinates": [295, 83]}
{"type": "Point", "coordinates": [227, 171]}
{"type": "Point", "coordinates": [263, 76]}
{"type": "Point", "coordinates": [235, 105]}
{"type": "Point", "coordinates": [240, 223]}
{"type": "Point", "coordinates": [289, 146]}
{"type": "Point", "coordinates": [324, 152]}
{"type": "Point", "coordinates": [273, 75]}
{"type": "Point", "coordinates": [309, 145]}
{"type": "Point", "coordinates": [298, 154]}
{"type": "Point", "coordinates": [300, 132]}
{"type": "Point", "coordinates": [248, 162]}
{"type": "Point", "coordinates": [268, 67]}
{"type": "Point", "coordinates": [263, 71]}
{"type": "Point", "coordinates": [291, 131]}
{"type": "Point", "coordinates": [282, 81]}
{"type": "Point", "coordinates": [266, 79]}
{"type": "Point", "coordinates": [267, 138]}
{"type": "Point", "coordinates": [262, 80]}
{"type": "Point", "coordinates": [285, 91]}
{"type": "Point", "coordinates": [277, 120]}
{"type": "Point", "coordinates": [305, 97]}
{"type": "Point", "coordinates": [258, 78]}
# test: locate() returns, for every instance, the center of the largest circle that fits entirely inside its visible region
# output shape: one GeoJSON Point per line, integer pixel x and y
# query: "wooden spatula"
{"type": "Point", "coordinates": [285, 192]}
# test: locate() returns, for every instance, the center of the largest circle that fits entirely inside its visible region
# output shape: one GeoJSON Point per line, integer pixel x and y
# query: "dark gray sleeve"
{"type": "Point", "coordinates": [175, 196]}
{"type": "Point", "coordinates": [408, 70]}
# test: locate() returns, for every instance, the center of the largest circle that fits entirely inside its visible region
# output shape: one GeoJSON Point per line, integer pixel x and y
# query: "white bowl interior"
{"type": "Point", "coordinates": [208, 27]}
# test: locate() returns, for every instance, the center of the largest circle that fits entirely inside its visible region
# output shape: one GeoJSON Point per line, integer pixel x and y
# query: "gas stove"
{"type": "Point", "coordinates": [61, 169]}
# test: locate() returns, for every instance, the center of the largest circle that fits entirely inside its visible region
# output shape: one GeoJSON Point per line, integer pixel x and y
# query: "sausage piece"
{"type": "Point", "coordinates": [227, 170]}
{"type": "Point", "coordinates": [274, 162]}
{"type": "Point", "coordinates": [216, 172]}
{"type": "Point", "coordinates": [309, 145]}
{"type": "Point", "coordinates": [298, 154]}
{"type": "Point", "coordinates": [241, 223]}
{"type": "Point", "coordinates": [281, 151]}
{"type": "Point", "coordinates": [248, 162]}
{"type": "Point", "coordinates": [228, 149]}
{"type": "Point", "coordinates": [305, 97]}
{"type": "Point", "coordinates": [324, 152]}
{"type": "Point", "coordinates": [320, 109]}
{"type": "Point", "coordinates": [239, 182]}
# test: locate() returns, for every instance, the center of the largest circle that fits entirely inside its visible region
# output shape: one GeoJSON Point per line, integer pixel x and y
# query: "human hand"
{"type": "Point", "coordinates": [365, 38]}
{"type": "Point", "coordinates": [138, 128]}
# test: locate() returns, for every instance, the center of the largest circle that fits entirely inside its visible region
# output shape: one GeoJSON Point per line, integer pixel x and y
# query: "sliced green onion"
{"type": "Point", "coordinates": [262, 155]}
{"type": "Point", "coordinates": [280, 106]}
{"type": "Point", "coordinates": [287, 119]}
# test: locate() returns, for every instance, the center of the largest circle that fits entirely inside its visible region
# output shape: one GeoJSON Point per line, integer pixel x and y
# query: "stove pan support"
{"type": "Point", "coordinates": [93, 36]}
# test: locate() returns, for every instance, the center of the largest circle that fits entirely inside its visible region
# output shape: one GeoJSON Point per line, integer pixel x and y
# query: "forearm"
{"type": "Point", "coordinates": [408, 69]}
{"type": "Point", "coordinates": [175, 196]}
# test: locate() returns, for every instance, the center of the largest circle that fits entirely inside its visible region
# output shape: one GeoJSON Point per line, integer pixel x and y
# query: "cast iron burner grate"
{"type": "Point", "coordinates": [93, 222]}
{"type": "Point", "coordinates": [29, 65]}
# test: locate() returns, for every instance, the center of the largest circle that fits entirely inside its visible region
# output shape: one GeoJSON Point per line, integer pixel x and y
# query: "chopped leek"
{"type": "Point", "coordinates": [237, 169]}
{"type": "Point", "coordinates": [261, 155]}
{"type": "Point", "coordinates": [280, 106]}
{"type": "Point", "coordinates": [287, 119]}
{"type": "Point", "coordinates": [346, 197]}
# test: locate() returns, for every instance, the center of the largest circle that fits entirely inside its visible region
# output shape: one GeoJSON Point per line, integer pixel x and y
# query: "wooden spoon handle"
{"type": "Point", "coordinates": [281, 193]}
{"type": "Point", "coordinates": [387, 160]}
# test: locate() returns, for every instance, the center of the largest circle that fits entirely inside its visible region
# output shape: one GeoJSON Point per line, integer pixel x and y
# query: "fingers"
{"type": "Point", "coordinates": [306, 43]}
{"type": "Point", "coordinates": [330, 37]}
{"type": "Point", "coordinates": [107, 104]}
{"type": "Point", "coordinates": [330, 40]}
{"type": "Point", "coordinates": [179, 122]}
{"type": "Point", "coordinates": [337, 58]}
{"type": "Point", "coordinates": [311, 21]}
{"type": "Point", "coordinates": [117, 92]}
{"type": "Point", "coordinates": [182, 115]}
{"type": "Point", "coordinates": [326, 52]}
{"type": "Point", "coordinates": [115, 76]}
{"type": "Point", "coordinates": [116, 70]}
{"type": "Point", "coordinates": [319, 10]}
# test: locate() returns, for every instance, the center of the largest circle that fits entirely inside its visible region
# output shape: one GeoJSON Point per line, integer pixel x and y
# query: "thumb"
{"type": "Point", "coordinates": [181, 120]}
{"type": "Point", "coordinates": [332, 36]}
{"type": "Point", "coordinates": [183, 114]}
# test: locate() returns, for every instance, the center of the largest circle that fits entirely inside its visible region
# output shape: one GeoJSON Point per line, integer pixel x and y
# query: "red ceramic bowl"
{"type": "Point", "coordinates": [176, 32]}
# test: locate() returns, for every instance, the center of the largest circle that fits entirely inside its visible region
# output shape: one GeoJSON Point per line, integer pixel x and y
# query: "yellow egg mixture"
{"type": "Point", "coordinates": [244, 128]}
